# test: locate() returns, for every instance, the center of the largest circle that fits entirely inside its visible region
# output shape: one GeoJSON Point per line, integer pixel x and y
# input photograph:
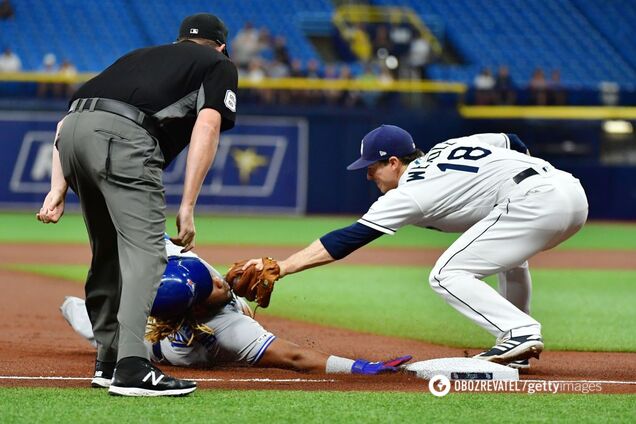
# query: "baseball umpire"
{"type": "Point", "coordinates": [123, 127]}
{"type": "Point", "coordinates": [198, 322]}
{"type": "Point", "coordinates": [508, 205]}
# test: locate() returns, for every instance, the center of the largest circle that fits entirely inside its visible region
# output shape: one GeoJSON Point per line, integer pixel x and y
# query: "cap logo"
{"type": "Point", "coordinates": [194, 30]}
{"type": "Point", "coordinates": [230, 100]}
{"type": "Point", "coordinates": [382, 153]}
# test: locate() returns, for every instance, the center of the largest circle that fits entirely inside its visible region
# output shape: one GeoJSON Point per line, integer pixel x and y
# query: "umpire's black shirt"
{"type": "Point", "coordinates": [172, 83]}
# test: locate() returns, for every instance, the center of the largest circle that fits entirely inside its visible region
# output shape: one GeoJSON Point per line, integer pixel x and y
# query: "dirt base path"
{"type": "Point", "coordinates": [37, 342]}
{"type": "Point", "coordinates": [218, 254]}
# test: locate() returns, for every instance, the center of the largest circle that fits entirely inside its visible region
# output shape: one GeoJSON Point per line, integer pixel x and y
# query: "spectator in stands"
{"type": "Point", "coordinates": [255, 73]}
{"type": "Point", "coordinates": [385, 78]}
{"type": "Point", "coordinates": [538, 88]}
{"type": "Point", "coordinates": [245, 45]}
{"type": "Point", "coordinates": [369, 76]}
{"type": "Point", "coordinates": [504, 87]}
{"type": "Point", "coordinates": [49, 66]}
{"type": "Point", "coordinates": [281, 54]}
{"type": "Point", "coordinates": [297, 70]}
{"type": "Point", "coordinates": [313, 69]}
{"type": "Point", "coordinates": [69, 72]}
{"type": "Point", "coordinates": [313, 72]}
{"type": "Point", "coordinates": [348, 98]}
{"type": "Point", "coordinates": [6, 10]}
{"type": "Point", "coordinates": [9, 61]}
{"type": "Point", "coordinates": [382, 44]}
{"type": "Point", "coordinates": [332, 97]}
{"type": "Point", "coordinates": [265, 44]}
{"type": "Point", "coordinates": [419, 57]}
{"type": "Point", "coordinates": [359, 41]}
{"type": "Point", "coordinates": [484, 84]}
{"type": "Point", "coordinates": [556, 92]}
{"type": "Point", "coordinates": [278, 69]}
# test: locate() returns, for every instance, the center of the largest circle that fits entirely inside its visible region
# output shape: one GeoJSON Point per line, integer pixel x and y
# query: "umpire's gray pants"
{"type": "Point", "coordinates": [114, 166]}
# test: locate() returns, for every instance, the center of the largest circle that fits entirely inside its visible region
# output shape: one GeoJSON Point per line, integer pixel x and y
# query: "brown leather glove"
{"type": "Point", "coordinates": [252, 284]}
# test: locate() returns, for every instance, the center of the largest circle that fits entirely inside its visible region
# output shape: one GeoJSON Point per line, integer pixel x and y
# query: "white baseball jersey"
{"type": "Point", "coordinates": [456, 184]}
{"type": "Point", "coordinates": [468, 184]}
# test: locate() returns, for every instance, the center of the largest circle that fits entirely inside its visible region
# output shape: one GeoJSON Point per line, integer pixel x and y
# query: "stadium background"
{"type": "Point", "coordinates": [296, 131]}
{"type": "Point", "coordinates": [586, 129]}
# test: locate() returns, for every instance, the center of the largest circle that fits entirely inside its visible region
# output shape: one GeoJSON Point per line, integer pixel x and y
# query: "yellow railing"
{"type": "Point", "coordinates": [45, 77]}
{"type": "Point", "coordinates": [274, 84]}
{"type": "Point", "coordinates": [548, 112]}
{"type": "Point", "coordinates": [360, 85]}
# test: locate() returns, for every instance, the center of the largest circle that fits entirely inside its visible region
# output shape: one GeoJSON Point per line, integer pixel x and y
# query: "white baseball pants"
{"type": "Point", "coordinates": [537, 214]}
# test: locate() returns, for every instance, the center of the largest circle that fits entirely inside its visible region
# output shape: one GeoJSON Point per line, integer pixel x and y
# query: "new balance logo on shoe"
{"type": "Point", "coordinates": [154, 379]}
{"type": "Point", "coordinates": [136, 376]}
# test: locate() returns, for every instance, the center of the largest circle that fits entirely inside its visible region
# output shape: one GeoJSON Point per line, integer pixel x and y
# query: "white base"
{"type": "Point", "coordinates": [462, 369]}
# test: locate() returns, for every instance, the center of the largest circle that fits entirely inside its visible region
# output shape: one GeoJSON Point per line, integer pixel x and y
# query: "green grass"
{"type": "Point", "coordinates": [284, 230]}
{"type": "Point", "coordinates": [43, 405]}
{"type": "Point", "coordinates": [579, 310]}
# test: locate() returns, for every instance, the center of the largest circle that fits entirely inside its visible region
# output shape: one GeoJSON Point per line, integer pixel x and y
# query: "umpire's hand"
{"type": "Point", "coordinates": [52, 208]}
{"type": "Point", "coordinates": [185, 227]}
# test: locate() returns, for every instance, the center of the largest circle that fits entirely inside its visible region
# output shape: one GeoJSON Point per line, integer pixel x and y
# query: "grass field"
{"type": "Point", "coordinates": [580, 309]}
{"type": "Point", "coordinates": [293, 231]}
{"type": "Point", "coordinates": [39, 405]}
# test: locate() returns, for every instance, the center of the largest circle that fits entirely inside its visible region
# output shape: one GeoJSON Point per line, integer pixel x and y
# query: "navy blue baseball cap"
{"type": "Point", "coordinates": [382, 143]}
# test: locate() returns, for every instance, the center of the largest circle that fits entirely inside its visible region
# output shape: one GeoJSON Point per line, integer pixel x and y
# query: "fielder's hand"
{"type": "Point", "coordinates": [254, 282]}
{"type": "Point", "coordinates": [52, 208]}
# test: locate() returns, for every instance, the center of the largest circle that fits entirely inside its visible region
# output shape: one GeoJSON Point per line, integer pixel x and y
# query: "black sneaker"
{"type": "Point", "coordinates": [514, 349]}
{"type": "Point", "coordinates": [103, 374]}
{"type": "Point", "coordinates": [136, 376]}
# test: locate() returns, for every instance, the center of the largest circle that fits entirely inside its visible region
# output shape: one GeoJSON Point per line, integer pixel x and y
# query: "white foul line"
{"type": "Point", "coordinates": [582, 381]}
{"type": "Point", "coordinates": [288, 380]}
{"type": "Point", "coordinates": [212, 380]}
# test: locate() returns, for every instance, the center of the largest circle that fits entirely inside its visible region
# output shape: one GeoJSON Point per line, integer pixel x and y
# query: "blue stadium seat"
{"type": "Point", "coordinates": [587, 40]}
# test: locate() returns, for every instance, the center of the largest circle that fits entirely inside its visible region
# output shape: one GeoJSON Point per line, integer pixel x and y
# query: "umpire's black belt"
{"type": "Point", "coordinates": [118, 108]}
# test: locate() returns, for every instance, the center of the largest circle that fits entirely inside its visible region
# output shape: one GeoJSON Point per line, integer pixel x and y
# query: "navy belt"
{"type": "Point", "coordinates": [524, 174]}
{"type": "Point", "coordinates": [118, 108]}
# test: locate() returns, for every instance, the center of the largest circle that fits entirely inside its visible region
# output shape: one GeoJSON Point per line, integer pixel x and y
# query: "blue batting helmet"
{"type": "Point", "coordinates": [201, 277]}
{"type": "Point", "coordinates": [185, 281]}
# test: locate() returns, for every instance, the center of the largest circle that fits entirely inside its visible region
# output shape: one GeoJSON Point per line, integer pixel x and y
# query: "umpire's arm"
{"type": "Point", "coordinates": [53, 206]}
{"type": "Point", "coordinates": [203, 146]}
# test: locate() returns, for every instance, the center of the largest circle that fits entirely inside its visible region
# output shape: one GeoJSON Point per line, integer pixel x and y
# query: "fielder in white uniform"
{"type": "Point", "coordinates": [236, 337]}
{"type": "Point", "coordinates": [508, 205]}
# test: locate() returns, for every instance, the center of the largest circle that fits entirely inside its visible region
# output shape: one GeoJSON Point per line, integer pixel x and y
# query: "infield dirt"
{"type": "Point", "coordinates": [36, 341]}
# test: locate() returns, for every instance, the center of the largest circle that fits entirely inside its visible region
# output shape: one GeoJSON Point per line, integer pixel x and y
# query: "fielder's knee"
{"type": "Point", "coordinates": [441, 280]}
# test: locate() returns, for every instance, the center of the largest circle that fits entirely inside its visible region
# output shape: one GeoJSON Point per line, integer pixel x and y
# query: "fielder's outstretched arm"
{"type": "Point", "coordinates": [330, 247]}
{"type": "Point", "coordinates": [311, 256]}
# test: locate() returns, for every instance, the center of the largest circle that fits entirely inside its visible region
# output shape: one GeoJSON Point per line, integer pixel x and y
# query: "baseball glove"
{"type": "Point", "coordinates": [252, 284]}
